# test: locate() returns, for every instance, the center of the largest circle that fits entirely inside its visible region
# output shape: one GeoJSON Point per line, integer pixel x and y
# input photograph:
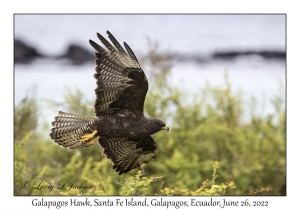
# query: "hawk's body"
{"type": "Point", "coordinates": [120, 126]}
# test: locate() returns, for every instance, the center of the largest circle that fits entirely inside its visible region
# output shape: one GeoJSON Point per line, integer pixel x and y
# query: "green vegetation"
{"type": "Point", "coordinates": [204, 128]}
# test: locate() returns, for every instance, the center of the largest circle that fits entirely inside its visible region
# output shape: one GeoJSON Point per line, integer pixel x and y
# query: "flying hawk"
{"type": "Point", "coordinates": [119, 125]}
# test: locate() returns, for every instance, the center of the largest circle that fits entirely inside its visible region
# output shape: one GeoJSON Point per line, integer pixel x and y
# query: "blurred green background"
{"type": "Point", "coordinates": [204, 128]}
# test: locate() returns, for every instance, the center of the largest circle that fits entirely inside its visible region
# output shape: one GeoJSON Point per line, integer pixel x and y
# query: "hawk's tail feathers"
{"type": "Point", "coordinates": [73, 131]}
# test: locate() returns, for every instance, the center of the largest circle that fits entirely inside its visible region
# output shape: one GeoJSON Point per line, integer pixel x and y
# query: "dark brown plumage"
{"type": "Point", "coordinates": [120, 126]}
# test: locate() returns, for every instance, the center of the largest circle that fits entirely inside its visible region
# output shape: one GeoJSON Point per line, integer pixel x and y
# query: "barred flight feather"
{"type": "Point", "coordinates": [68, 129]}
{"type": "Point", "coordinates": [127, 153]}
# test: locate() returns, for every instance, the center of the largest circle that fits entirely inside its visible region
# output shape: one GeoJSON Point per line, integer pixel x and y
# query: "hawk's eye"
{"type": "Point", "coordinates": [163, 125]}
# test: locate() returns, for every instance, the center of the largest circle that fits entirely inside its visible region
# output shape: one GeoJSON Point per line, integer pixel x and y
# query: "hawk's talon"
{"type": "Point", "coordinates": [89, 139]}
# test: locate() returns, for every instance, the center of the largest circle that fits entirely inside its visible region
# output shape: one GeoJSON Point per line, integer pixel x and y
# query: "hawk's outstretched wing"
{"type": "Point", "coordinates": [121, 83]}
{"type": "Point", "coordinates": [128, 153]}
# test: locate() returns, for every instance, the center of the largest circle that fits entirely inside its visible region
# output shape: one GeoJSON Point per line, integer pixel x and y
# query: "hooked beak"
{"type": "Point", "coordinates": [165, 128]}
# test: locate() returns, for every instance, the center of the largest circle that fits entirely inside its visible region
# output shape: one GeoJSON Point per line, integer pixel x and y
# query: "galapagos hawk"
{"type": "Point", "coordinates": [119, 125]}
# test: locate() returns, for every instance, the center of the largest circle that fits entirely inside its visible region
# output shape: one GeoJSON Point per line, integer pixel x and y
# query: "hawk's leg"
{"type": "Point", "coordinates": [89, 139]}
{"type": "Point", "coordinates": [144, 173]}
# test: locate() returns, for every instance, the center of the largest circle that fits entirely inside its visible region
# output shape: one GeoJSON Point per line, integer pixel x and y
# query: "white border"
{"type": "Point", "coordinates": [254, 6]}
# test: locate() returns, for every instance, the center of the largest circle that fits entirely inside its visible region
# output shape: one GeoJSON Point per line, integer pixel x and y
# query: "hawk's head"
{"type": "Point", "coordinates": [157, 125]}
